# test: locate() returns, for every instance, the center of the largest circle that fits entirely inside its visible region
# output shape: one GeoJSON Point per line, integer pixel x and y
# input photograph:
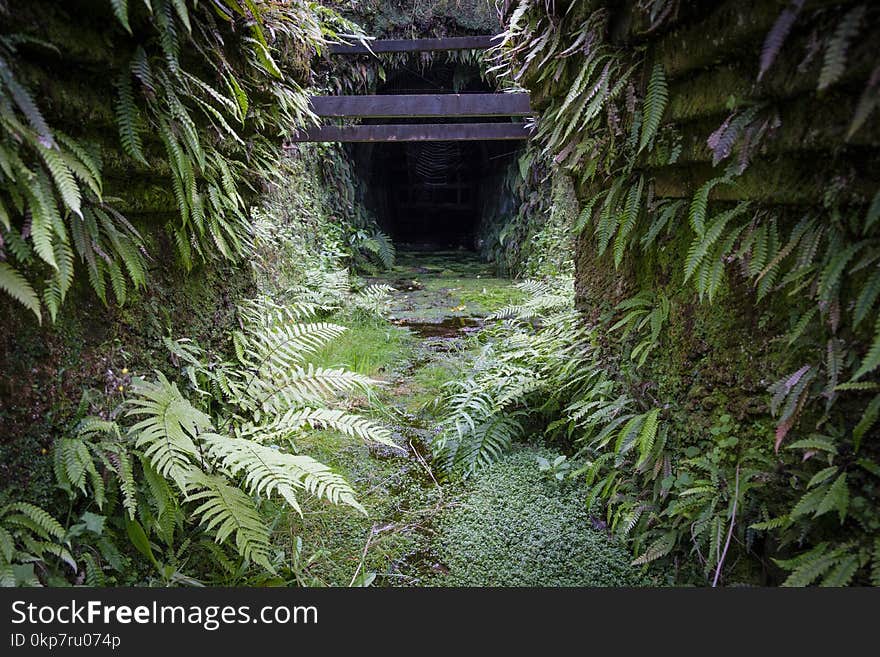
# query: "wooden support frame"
{"type": "Point", "coordinates": [415, 45]}
{"type": "Point", "coordinates": [418, 132]}
{"type": "Point", "coordinates": [422, 105]}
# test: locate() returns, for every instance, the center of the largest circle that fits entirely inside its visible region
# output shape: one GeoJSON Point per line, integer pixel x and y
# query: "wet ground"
{"type": "Point", "coordinates": [447, 290]}
{"type": "Point", "coordinates": [441, 299]}
{"type": "Point", "coordinates": [508, 526]}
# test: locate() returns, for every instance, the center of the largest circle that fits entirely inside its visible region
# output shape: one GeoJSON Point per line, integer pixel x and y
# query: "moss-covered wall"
{"type": "Point", "coordinates": [797, 160]}
{"type": "Point", "coordinates": [726, 353]}
{"type": "Point", "coordinates": [46, 370]}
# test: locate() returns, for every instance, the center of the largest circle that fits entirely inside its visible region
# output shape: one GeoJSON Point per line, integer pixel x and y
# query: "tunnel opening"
{"type": "Point", "coordinates": [433, 195]}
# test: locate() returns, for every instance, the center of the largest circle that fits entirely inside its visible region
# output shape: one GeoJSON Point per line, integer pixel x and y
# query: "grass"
{"type": "Point", "coordinates": [491, 297]}
{"type": "Point", "coordinates": [367, 347]}
{"type": "Point", "coordinates": [427, 383]}
{"type": "Point", "coordinates": [452, 285]}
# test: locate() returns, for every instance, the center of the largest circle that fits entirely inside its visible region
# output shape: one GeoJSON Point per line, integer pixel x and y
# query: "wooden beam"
{"type": "Point", "coordinates": [414, 45]}
{"type": "Point", "coordinates": [424, 132]}
{"type": "Point", "coordinates": [422, 105]}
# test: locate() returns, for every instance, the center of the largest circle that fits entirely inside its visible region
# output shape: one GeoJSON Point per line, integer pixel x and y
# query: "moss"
{"type": "Point", "coordinates": [51, 375]}
{"type": "Point", "coordinates": [398, 498]}
{"type": "Point", "coordinates": [516, 527]}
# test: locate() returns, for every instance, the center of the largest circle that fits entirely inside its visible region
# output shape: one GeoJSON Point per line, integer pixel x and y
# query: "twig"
{"type": "Point", "coordinates": [363, 556]}
{"type": "Point", "coordinates": [427, 469]}
{"type": "Point", "coordinates": [729, 531]}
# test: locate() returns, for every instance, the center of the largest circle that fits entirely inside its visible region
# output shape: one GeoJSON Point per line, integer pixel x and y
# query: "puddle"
{"type": "Point", "coordinates": [449, 327]}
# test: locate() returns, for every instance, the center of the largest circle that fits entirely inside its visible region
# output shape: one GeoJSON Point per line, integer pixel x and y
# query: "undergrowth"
{"type": "Point", "coordinates": [514, 526]}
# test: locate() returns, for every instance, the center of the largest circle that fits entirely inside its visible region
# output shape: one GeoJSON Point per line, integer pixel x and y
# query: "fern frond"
{"type": "Point", "coordinates": [33, 517]}
{"type": "Point", "coordinates": [347, 424]}
{"type": "Point", "coordinates": [120, 10]}
{"type": "Point", "coordinates": [128, 118]}
{"type": "Point", "coordinates": [169, 426]}
{"type": "Point", "coordinates": [777, 35]}
{"type": "Point", "coordinates": [17, 286]}
{"type": "Point", "coordinates": [268, 470]}
{"type": "Point", "coordinates": [834, 63]}
{"type": "Point", "coordinates": [655, 103]}
{"type": "Point", "coordinates": [227, 511]}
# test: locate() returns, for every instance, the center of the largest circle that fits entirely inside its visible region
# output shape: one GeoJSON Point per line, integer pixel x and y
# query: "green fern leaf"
{"type": "Point", "coordinates": [837, 497]}
{"type": "Point", "coordinates": [120, 10]}
{"type": "Point", "coordinates": [227, 511]}
{"type": "Point", "coordinates": [655, 103]}
{"type": "Point", "coordinates": [832, 272]}
{"type": "Point", "coordinates": [63, 178]}
{"type": "Point", "coordinates": [699, 205]}
{"type": "Point", "coordinates": [872, 358]}
{"type": "Point", "coordinates": [867, 297]}
{"type": "Point", "coordinates": [16, 286]}
{"type": "Point", "coordinates": [41, 522]}
{"type": "Point", "coordinates": [128, 118]}
{"type": "Point", "coordinates": [267, 470]}
{"type": "Point", "coordinates": [835, 54]}
{"type": "Point", "coordinates": [868, 419]}
{"type": "Point", "coordinates": [168, 429]}
{"type": "Point", "coordinates": [628, 220]}
{"type": "Point", "coordinates": [842, 573]}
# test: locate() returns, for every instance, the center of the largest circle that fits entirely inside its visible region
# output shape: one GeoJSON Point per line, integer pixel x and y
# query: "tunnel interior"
{"type": "Point", "coordinates": [432, 195]}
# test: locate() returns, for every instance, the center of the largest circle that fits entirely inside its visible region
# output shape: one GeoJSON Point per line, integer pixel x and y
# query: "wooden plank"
{"type": "Point", "coordinates": [415, 45]}
{"type": "Point", "coordinates": [422, 105]}
{"type": "Point", "coordinates": [424, 132]}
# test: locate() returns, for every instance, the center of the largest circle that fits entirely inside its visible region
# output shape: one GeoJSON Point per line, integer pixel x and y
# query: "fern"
{"type": "Point", "coordinates": [128, 118]}
{"type": "Point", "coordinates": [834, 63]}
{"type": "Point", "coordinates": [120, 10]}
{"type": "Point", "coordinates": [227, 511]}
{"type": "Point", "coordinates": [872, 358]}
{"type": "Point", "coordinates": [777, 35]}
{"type": "Point", "coordinates": [30, 536]}
{"type": "Point", "coordinates": [267, 470]}
{"type": "Point", "coordinates": [169, 428]}
{"type": "Point", "coordinates": [655, 103]}
{"type": "Point", "coordinates": [699, 206]}
{"type": "Point", "coordinates": [16, 285]}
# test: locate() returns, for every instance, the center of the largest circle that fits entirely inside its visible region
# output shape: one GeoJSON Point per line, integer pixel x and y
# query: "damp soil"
{"type": "Point", "coordinates": [440, 299]}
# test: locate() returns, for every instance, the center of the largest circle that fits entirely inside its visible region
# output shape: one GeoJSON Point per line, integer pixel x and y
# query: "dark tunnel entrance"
{"type": "Point", "coordinates": [433, 195]}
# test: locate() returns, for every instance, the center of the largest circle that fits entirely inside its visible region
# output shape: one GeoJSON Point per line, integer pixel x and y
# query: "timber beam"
{"type": "Point", "coordinates": [418, 132]}
{"type": "Point", "coordinates": [422, 105]}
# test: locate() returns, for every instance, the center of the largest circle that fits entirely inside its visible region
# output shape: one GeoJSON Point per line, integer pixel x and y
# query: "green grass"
{"type": "Point", "coordinates": [426, 383]}
{"type": "Point", "coordinates": [454, 284]}
{"type": "Point", "coordinates": [370, 347]}
{"type": "Point", "coordinates": [491, 296]}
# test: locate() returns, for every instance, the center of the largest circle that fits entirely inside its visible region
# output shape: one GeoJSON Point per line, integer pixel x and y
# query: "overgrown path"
{"type": "Point", "coordinates": [507, 526]}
